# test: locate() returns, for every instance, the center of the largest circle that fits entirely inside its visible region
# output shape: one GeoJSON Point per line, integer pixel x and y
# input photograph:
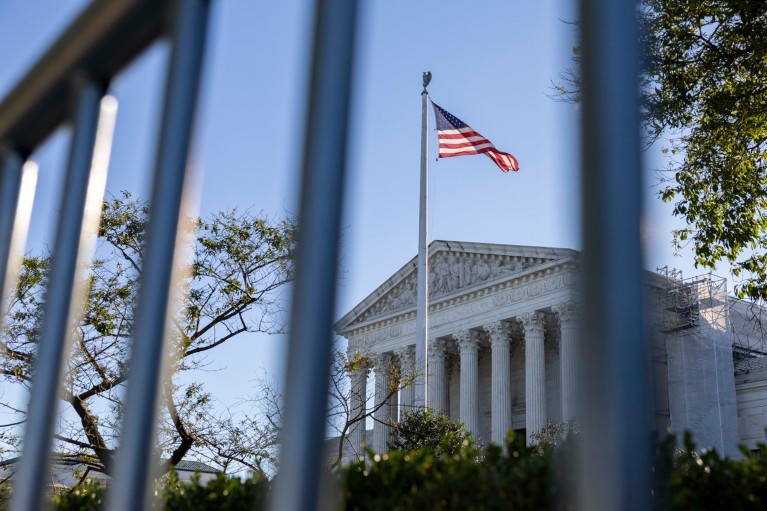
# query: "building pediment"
{"type": "Point", "coordinates": [455, 268]}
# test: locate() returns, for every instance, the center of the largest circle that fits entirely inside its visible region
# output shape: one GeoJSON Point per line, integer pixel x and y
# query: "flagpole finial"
{"type": "Point", "coordinates": [426, 81]}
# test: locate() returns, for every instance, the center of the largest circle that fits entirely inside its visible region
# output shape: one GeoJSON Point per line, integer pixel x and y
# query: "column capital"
{"type": "Point", "coordinates": [406, 353]}
{"type": "Point", "coordinates": [468, 341]}
{"type": "Point", "coordinates": [567, 312]}
{"type": "Point", "coordinates": [533, 321]}
{"type": "Point", "coordinates": [499, 332]}
{"type": "Point", "coordinates": [437, 346]}
{"type": "Point", "coordinates": [382, 360]}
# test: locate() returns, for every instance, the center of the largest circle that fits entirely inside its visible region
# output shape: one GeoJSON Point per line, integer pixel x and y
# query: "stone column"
{"type": "Point", "coordinates": [437, 376]}
{"type": "Point", "coordinates": [357, 409]}
{"type": "Point", "coordinates": [570, 332]}
{"type": "Point", "coordinates": [382, 416]}
{"type": "Point", "coordinates": [535, 373]}
{"type": "Point", "coordinates": [500, 344]}
{"type": "Point", "coordinates": [468, 344]}
{"type": "Point", "coordinates": [407, 371]}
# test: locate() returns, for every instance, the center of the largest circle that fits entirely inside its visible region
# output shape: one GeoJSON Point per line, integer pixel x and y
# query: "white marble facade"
{"type": "Point", "coordinates": [503, 332]}
{"type": "Point", "coordinates": [498, 317]}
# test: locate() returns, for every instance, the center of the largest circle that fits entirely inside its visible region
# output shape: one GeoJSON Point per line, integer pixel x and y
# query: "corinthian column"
{"type": "Point", "coordinates": [535, 373]}
{"type": "Point", "coordinates": [469, 347]}
{"type": "Point", "coordinates": [382, 416]}
{"type": "Point", "coordinates": [500, 342]}
{"type": "Point", "coordinates": [359, 379]}
{"type": "Point", "coordinates": [570, 332]}
{"type": "Point", "coordinates": [437, 376]}
{"type": "Point", "coordinates": [407, 372]}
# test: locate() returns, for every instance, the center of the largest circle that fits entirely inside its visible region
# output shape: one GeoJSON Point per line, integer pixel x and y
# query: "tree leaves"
{"type": "Point", "coordinates": [241, 262]}
{"type": "Point", "coordinates": [708, 63]}
{"type": "Point", "coordinates": [703, 94]}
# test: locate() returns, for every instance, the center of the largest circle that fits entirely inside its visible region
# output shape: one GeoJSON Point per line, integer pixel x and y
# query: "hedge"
{"type": "Point", "coordinates": [470, 480]}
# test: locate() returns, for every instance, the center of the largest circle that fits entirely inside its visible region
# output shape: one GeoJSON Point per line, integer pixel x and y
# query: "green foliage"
{"type": "Point", "coordinates": [223, 493]}
{"type": "Point", "coordinates": [87, 496]}
{"type": "Point", "coordinates": [519, 478]}
{"type": "Point", "coordinates": [707, 77]}
{"type": "Point", "coordinates": [703, 90]}
{"type": "Point", "coordinates": [5, 496]}
{"type": "Point", "coordinates": [705, 481]}
{"type": "Point", "coordinates": [240, 262]}
{"type": "Point", "coordinates": [554, 434]}
{"type": "Point", "coordinates": [420, 480]}
{"type": "Point", "coordinates": [423, 428]}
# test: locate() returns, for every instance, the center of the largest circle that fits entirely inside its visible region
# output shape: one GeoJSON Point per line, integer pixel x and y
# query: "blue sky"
{"type": "Point", "coordinates": [492, 61]}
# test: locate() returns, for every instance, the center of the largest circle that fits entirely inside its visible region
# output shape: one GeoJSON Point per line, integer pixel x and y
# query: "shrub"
{"type": "Point", "coordinates": [87, 496]}
{"type": "Point", "coordinates": [224, 493]}
{"type": "Point", "coordinates": [424, 428]}
{"type": "Point", "coordinates": [421, 479]}
{"type": "Point", "coordinates": [518, 478]}
{"type": "Point", "coordinates": [554, 433]}
{"type": "Point", "coordinates": [5, 495]}
{"type": "Point", "coordinates": [703, 481]}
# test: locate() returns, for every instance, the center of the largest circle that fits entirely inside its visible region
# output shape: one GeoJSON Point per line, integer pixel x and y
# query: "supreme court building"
{"type": "Point", "coordinates": [503, 330]}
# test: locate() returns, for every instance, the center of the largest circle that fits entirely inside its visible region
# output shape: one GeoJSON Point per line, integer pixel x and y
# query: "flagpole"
{"type": "Point", "coordinates": [421, 321]}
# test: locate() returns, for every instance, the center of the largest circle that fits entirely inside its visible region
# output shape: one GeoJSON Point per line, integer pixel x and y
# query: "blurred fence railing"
{"type": "Point", "coordinates": [68, 85]}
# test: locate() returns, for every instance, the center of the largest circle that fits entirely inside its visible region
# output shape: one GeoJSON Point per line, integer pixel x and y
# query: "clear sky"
{"type": "Point", "coordinates": [493, 63]}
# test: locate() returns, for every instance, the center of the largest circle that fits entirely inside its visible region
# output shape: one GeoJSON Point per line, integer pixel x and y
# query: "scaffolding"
{"type": "Point", "coordinates": [693, 302]}
{"type": "Point", "coordinates": [702, 301]}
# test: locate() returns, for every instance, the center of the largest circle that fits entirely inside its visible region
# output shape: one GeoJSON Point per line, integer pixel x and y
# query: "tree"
{"type": "Point", "coordinates": [424, 428]}
{"type": "Point", "coordinates": [552, 435]}
{"type": "Point", "coordinates": [241, 263]}
{"type": "Point", "coordinates": [343, 390]}
{"type": "Point", "coordinates": [703, 89]}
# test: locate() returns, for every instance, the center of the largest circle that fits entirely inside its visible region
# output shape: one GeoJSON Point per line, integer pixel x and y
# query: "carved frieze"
{"type": "Point", "coordinates": [510, 296]}
{"type": "Point", "coordinates": [450, 273]}
{"type": "Point", "coordinates": [380, 335]}
{"type": "Point", "coordinates": [447, 273]}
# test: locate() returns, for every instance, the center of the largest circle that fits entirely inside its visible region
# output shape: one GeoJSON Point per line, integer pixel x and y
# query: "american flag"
{"type": "Point", "coordinates": [456, 138]}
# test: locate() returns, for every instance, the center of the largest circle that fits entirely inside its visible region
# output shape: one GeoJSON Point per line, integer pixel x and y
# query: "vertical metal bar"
{"type": "Point", "coordinates": [66, 289]}
{"type": "Point", "coordinates": [10, 186]}
{"type": "Point", "coordinates": [313, 300]}
{"type": "Point", "coordinates": [614, 462]}
{"type": "Point", "coordinates": [13, 242]}
{"type": "Point", "coordinates": [136, 463]}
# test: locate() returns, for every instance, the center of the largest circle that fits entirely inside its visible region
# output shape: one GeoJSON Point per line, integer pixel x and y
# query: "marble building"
{"type": "Point", "coordinates": [503, 328]}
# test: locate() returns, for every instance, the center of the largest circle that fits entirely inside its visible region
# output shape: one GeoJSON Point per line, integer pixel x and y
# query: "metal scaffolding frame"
{"type": "Point", "coordinates": [691, 302]}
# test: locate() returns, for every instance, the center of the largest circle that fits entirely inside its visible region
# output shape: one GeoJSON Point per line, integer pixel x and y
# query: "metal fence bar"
{"type": "Point", "coordinates": [66, 288]}
{"type": "Point", "coordinates": [135, 462]}
{"type": "Point", "coordinates": [17, 213]}
{"type": "Point", "coordinates": [614, 464]}
{"type": "Point", "coordinates": [10, 187]}
{"type": "Point", "coordinates": [104, 38]}
{"type": "Point", "coordinates": [297, 486]}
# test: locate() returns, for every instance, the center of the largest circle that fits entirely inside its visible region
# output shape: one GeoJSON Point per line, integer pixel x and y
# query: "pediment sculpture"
{"type": "Point", "coordinates": [447, 273]}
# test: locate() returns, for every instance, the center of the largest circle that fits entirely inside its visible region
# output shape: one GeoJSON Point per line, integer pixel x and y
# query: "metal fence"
{"type": "Point", "coordinates": [68, 84]}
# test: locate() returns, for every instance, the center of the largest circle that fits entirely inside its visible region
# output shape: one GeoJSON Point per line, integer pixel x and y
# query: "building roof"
{"type": "Point", "coordinates": [396, 295]}
{"type": "Point", "coordinates": [195, 466]}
